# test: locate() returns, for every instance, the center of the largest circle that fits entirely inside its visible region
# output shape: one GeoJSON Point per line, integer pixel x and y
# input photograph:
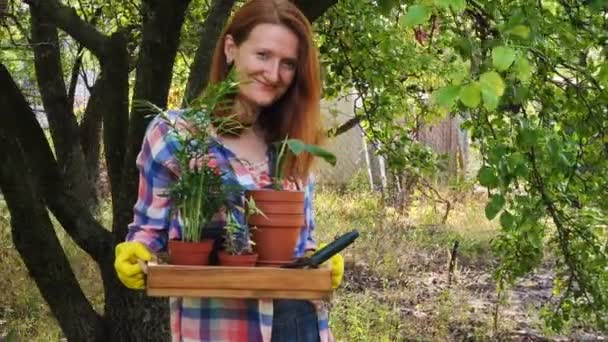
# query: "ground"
{"type": "Point", "coordinates": [397, 284]}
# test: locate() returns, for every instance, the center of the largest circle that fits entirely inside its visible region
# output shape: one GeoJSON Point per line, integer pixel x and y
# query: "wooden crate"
{"type": "Point", "coordinates": [237, 282]}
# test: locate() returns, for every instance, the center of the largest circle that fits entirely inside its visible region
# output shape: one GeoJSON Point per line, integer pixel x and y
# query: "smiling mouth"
{"type": "Point", "coordinates": [266, 85]}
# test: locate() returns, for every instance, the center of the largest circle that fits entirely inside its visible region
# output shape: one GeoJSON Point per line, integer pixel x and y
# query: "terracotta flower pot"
{"type": "Point", "coordinates": [245, 260]}
{"type": "Point", "coordinates": [190, 253]}
{"type": "Point", "coordinates": [277, 234]}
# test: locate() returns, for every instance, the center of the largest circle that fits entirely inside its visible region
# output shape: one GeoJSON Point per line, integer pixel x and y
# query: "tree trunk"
{"type": "Point", "coordinates": [32, 180]}
{"type": "Point", "coordinates": [33, 233]}
{"type": "Point", "coordinates": [199, 71]}
{"type": "Point", "coordinates": [90, 134]}
{"type": "Point", "coordinates": [163, 20]}
{"type": "Point", "coordinates": [313, 9]}
{"type": "Point", "coordinates": [62, 122]}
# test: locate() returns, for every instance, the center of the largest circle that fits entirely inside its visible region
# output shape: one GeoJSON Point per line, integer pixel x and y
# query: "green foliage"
{"type": "Point", "coordinates": [535, 104]}
{"type": "Point", "coordinates": [416, 15]}
{"type": "Point", "coordinates": [296, 147]}
{"type": "Point", "coordinates": [530, 79]}
{"type": "Point", "coordinates": [200, 192]}
{"type": "Point", "coordinates": [366, 50]}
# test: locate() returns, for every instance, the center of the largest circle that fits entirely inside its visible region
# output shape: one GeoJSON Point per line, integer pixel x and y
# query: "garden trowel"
{"type": "Point", "coordinates": [325, 253]}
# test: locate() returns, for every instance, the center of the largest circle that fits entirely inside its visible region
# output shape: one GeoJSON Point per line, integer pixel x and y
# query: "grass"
{"type": "Point", "coordinates": [395, 282]}
{"type": "Point", "coordinates": [24, 315]}
{"type": "Point", "coordinates": [395, 285]}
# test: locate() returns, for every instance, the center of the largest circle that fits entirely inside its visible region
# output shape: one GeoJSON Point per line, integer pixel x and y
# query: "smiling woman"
{"type": "Point", "coordinates": [268, 44]}
{"type": "Point", "coordinates": [266, 61]}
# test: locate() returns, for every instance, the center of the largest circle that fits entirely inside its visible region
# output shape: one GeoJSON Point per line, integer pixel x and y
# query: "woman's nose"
{"type": "Point", "coordinates": [272, 72]}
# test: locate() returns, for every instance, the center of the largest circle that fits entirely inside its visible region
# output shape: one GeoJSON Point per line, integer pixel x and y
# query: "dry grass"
{"type": "Point", "coordinates": [396, 279]}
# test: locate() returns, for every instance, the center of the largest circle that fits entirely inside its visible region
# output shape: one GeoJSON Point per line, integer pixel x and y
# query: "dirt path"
{"type": "Point", "coordinates": [472, 303]}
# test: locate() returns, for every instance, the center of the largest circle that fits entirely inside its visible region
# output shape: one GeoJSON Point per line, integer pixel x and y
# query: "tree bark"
{"type": "Point", "coordinates": [32, 231]}
{"type": "Point", "coordinates": [345, 127]}
{"type": "Point", "coordinates": [90, 132]}
{"type": "Point", "coordinates": [68, 20]}
{"type": "Point", "coordinates": [199, 71]}
{"type": "Point", "coordinates": [163, 20]}
{"type": "Point", "coordinates": [20, 121]}
{"type": "Point", "coordinates": [313, 9]}
{"type": "Point", "coordinates": [62, 122]}
{"type": "Point", "coordinates": [114, 105]}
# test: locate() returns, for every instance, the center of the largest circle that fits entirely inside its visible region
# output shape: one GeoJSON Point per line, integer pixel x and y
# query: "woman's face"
{"type": "Point", "coordinates": [266, 63]}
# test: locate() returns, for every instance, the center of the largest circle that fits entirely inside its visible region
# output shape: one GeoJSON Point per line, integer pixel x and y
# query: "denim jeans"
{"type": "Point", "coordinates": [294, 321]}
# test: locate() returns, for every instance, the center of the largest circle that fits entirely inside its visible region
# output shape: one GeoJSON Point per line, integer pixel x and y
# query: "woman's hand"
{"type": "Point", "coordinates": [126, 263]}
{"type": "Point", "coordinates": [336, 263]}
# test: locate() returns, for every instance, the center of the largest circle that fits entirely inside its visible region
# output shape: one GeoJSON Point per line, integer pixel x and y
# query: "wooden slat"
{"type": "Point", "coordinates": [218, 293]}
{"type": "Point", "coordinates": [238, 282]}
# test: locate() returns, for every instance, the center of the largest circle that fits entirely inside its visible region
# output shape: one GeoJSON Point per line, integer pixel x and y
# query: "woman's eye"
{"type": "Point", "coordinates": [262, 55]}
{"type": "Point", "coordinates": [289, 65]}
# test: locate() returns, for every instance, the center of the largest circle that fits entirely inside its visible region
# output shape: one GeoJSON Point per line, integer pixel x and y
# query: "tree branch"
{"type": "Point", "coordinates": [41, 251]}
{"type": "Point", "coordinates": [19, 121]}
{"type": "Point", "coordinates": [343, 128]}
{"type": "Point", "coordinates": [62, 122]}
{"type": "Point", "coordinates": [78, 62]}
{"type": "Point", "coordinates": [199, 71]}
{"type": "Point", "coordinates": [113, 104]}
{"type": "Point", "coordinates": [74, 76]}
{"type": "Point", "coordinates": [162, 24]}
{"type": "Point", "coordinates": [68, 20]}
{"type": "Point", "coordinates": [313, 9]}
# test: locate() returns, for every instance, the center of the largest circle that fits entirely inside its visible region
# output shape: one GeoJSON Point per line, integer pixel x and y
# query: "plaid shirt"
{"type": "Point", "coordinates": [206, 319]}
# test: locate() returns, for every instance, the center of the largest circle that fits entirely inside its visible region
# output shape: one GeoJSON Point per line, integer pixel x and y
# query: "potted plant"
{"type": "Point", "coordinates": [277, 231]}
{"type": "Point", "coordinates": [199, 192]}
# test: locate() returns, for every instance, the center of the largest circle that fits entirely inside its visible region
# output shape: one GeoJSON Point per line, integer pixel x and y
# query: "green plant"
{"type": "Point", "coordinates": [296, 147]}
{"type": "Point", "coordinates": [233, 230]}
{"type": "Point", "coordinates": [200, 190]}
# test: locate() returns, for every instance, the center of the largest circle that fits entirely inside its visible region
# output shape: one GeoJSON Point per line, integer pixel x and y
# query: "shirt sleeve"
{"type": "Point", "coordinates": [152, 217]}
{"type": "Point", "coordinates": [309, 213]}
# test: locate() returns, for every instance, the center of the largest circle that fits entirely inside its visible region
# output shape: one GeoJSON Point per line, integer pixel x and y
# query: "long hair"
{"type": "Point", "coordinates": [296, 113]}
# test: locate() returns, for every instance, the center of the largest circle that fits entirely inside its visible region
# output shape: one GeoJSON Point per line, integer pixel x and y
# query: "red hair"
{"type": "Point", "coordinates": [296, 113]}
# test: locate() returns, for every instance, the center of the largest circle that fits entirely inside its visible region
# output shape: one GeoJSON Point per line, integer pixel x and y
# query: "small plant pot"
{"type": "Point", "coordinates": [190, 253]}
{"type": "Point", "coordinates": [276, 235]}
{"type": "Point", "coordinates": [245, 260]}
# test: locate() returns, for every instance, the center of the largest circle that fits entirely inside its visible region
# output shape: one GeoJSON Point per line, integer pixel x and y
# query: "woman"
{"type": "Point", "coordinates": [269, 44]}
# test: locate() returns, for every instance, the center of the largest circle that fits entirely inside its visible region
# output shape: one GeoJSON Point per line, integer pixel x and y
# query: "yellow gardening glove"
{"type": "Point", "coordinates": [337, 267]}
{"type": "Point", "coordinates": [126, 263]}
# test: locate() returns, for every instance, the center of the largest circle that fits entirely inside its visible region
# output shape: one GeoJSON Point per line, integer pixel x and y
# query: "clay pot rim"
{"type": "Point", "coordinates": [271, 195]}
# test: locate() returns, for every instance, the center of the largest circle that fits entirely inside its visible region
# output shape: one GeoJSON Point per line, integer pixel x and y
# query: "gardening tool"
{"type": "Point", "coordinates": [325, 253]}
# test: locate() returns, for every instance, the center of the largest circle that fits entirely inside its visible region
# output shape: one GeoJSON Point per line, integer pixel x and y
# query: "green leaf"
{"type": "Point", "coordinates": [494, 206]}
{"type": "Point", "coordinates": [458, 5]}
{"type": "Point", "coordinates": [490, 100]}
{"type": "Point", "coordinates": [520, 30]}
{"type": "Point", "coordinates": [506, 220]}
{"type": "Point", "coordinates": [297, 146]}
{"type": "Point", "coordinates": [443, 3]}
{"type": "Point", "coordinates": [470, 95]}
{"type": "Point", "coordinates": [464, 47]}
{"type": "Point", "coordinates": [523, 69]}
{"type": "Point", "coordinates": [487, 177]}
{"type": "Point", "coordinates": [603, 75]}
{"type": "Point", "coordinates": [492, 88]}
{"type": "Point", "coordinates": [446, 96]}
{"type": "Point", "coordinates": [416, 15]}
{"type": "Point", "coordinates": [386, 6]}
{"type": "Point", "coordinates": [527, 137]}
{"type": "Point", "coordinates": [502, 57]}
